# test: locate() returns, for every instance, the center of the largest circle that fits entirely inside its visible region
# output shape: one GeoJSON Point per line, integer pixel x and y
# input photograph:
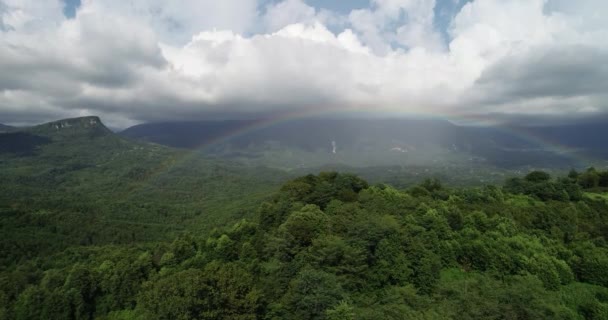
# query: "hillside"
{"type": "Point", "coordinates": [83, 184]}
{"type": "Point", "coordinates": [76, 132]}
{"type": "Point", "coordinates": [374, 142]}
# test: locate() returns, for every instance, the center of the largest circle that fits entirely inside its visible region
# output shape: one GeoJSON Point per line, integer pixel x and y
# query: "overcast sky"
{"type": "Point", "coordinates": [132, 61]}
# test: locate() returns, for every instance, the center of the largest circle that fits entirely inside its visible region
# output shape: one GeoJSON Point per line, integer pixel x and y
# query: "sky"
{"type": "Point", "coordinates": [133, 61]}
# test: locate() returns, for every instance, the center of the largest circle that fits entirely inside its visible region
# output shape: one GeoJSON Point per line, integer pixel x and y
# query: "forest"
{"type": "Point", "coordinates": [330, 246]}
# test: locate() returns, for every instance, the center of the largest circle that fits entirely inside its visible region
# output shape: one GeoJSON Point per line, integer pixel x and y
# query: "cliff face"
{"type": "Point", "coordinates": [87, 126]}
{"type": "Point", "coordinates": [76, 123]}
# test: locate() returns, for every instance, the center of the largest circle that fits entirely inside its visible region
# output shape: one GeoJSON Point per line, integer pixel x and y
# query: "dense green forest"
{"type": "Point", "coordinates": [333, 247]}
{"type": "Point", "coordinates": [95, 226]}
{"type": "Point", "coordinates": [87, 186]}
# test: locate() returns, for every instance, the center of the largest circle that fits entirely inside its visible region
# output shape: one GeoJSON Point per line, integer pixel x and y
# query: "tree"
{"type": "Point", "coordinates": [538, 176]}
{"type": "Point", "coordinates": [432, 185]}
{"type": "Point", "coordinates": [301, 227]}
{"type": "Point", "coordinates": [342, 311]}
{"type": "Point", "coordinates": [589, 179]}
{"type": "Point", "coordinates": [603, 179]}
{"type": "Point", "coordinates": [391, 266]}
{"type": "Point", "coordinates": [311, 294]}
{"type": "Point", "coordinates": [419, 191]}
{"type": "Point", "coordinates": [183, 295]}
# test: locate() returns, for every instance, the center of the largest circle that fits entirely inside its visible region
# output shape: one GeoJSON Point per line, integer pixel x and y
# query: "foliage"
{"type": "Point", "coordinates": [333, 247]}
{"type": "Point", "coordinates": [97, 227]}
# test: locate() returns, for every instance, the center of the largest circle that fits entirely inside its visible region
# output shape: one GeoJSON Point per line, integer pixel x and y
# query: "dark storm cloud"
{"type": "Point", "coordinates": [559, 72]}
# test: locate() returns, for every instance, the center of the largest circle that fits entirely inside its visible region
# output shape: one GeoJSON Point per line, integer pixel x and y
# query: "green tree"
{"type": "Point", "coordinates": [311, 294]}
{"type": "Point", "coordinates": [603, 179]}
{"type": "Point", "coordinates": [302, 226]}
{"type": "Point", "coordinates": [342, 311]}
{"type": "Point", "coordinates": [538, 176]}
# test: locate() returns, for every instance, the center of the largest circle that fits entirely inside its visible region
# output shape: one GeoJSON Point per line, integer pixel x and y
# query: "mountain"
{"type": "Point", "coordinates": [589, 137]}
{"type": "Point", "coordinates": [27, 140]}
{"type": "Point", "coordinates": [371, 142]}
{"type": "Point", "coordinates": [183, 134]}
{"type": "Point", "coordinates": [307, 134]}
{"type": "Point", "coordinates": [79, 176]}
{"type": "Point", "coordinates": [89, 127]}
{"type": "Point", "coordinates": [5, 128]}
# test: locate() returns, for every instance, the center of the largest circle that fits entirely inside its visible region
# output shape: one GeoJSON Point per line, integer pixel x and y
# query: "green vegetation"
{"type": "Point", "coordinates": [98, 227]}
{"type": "Point", "coordinates": [333, 247]}
{"type": "Point", "coordinates": [86, 186]}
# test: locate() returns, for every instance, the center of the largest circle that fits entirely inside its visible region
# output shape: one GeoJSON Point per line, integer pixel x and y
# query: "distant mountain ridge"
{"type": "Point", "coordinates": [26, 140]}
{"type": "Point", "coordinates": [354, 142]}
{"type": "Point", "coordinates": [308, 134]}
{"type": "Point", "coordinates": [5, 128]}
{"type": "Point", "coordinates": [397, 138]}
{"type": "Point", "coordinates": [90, 126]}
{"type": "Point", "coordinates": [190, 134]}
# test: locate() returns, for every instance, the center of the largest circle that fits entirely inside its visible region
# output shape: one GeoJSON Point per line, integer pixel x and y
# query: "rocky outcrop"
{"type": "Point", "coordinates": [82, 122]}
{"type": "Point", "coordinates": [90, 126]}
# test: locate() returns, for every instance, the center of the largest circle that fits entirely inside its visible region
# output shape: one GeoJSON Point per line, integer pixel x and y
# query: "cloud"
{"type": "Point", "coordinates": [176, 21]}
{"type": "Point", "coordinates": [282, 14]}
{"type": "Point", "coordinates": [409, 23]}
{"type": "Point", "coordinates": [560, 72]}
{"type": "Point", "coordinates": [553, 64]}
{"type": "Point", "coordinates": [29, 15]}
{"type": "Point", "coordinates": [134, 60]}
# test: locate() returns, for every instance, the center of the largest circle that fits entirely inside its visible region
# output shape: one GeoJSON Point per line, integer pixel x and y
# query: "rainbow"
{"type": "Point", "coordinates": [544, 143]}
{"type": "Point", "coordinates": [329, 111]}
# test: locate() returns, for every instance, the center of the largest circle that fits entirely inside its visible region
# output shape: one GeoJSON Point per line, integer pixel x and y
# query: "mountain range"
{"type": "Point", "coordinates": [313, 143]}
{"type": "Point", "coordinates": [364, 142]}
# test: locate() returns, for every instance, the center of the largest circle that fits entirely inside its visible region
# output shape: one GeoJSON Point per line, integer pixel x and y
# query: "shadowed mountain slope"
{"type": "Point", "coordinates": [362, 142]}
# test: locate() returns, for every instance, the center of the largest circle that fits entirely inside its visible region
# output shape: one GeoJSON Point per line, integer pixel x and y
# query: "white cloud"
{"type": "Point", "coordinates": [29, 15]}
{"type": "Point", "coordinates": [530, 66]}
{"type": "Point", "coordinates": [409, 23]}
{"type": "Point", "coordinates": [282, 14]}
{"type": "Point", "coordinates": [176, 21]}
{"type": "Point", "coordinates": [142, 60]}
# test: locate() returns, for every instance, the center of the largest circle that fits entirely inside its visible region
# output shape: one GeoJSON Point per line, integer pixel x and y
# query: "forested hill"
{"type": "Point", "coordinates": [69, 134]}
{"type": "Point", "coordinates": [74, 182]}
{"type": "Point", "coordinates": [333, 247]}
